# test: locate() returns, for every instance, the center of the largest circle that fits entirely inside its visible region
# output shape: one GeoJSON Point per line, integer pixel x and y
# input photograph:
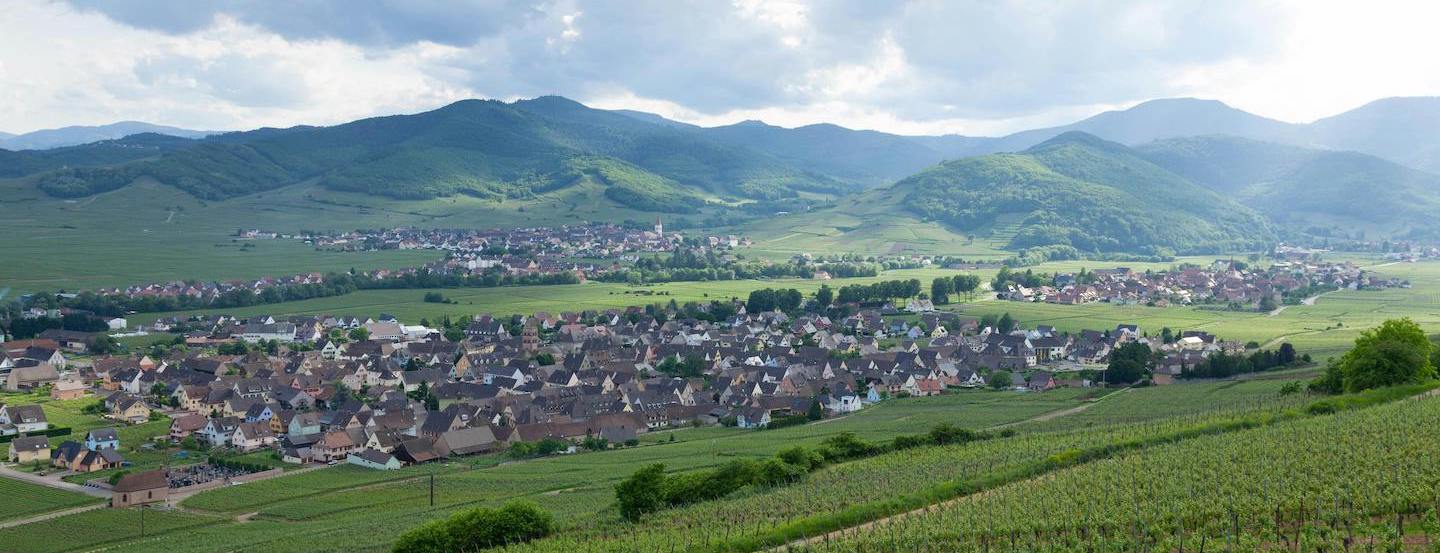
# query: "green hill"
{"type": "Point", "coordinates": [486, 149]}
{"type": "Point", "coordinates": [1078, 190]}
{"type": "Point", "coordinates": [1303, 188]}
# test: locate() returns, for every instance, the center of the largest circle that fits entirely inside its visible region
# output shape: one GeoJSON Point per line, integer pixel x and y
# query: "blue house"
{"type": "Point", "coordinates": [102, 438]}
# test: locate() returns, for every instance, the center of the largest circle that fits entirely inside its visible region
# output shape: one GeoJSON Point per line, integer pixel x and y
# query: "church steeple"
{"type": "Point", "coordinates": [659, 227]}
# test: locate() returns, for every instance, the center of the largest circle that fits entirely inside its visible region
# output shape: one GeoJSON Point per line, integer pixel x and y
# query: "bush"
{"type": "Point", "coordinates": [642, 492]}
{"type": "Point", "coordinates": [516, 522]}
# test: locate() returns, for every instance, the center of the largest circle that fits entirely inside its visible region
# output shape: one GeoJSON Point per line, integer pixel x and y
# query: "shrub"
{"type": "Point", "coordinates": [642, 492]}
{"type": "Point", "coordinates": [473, 529]}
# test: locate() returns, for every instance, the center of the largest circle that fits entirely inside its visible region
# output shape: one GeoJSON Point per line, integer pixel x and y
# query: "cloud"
{"type": "Point", "coordinates": [919, 66]}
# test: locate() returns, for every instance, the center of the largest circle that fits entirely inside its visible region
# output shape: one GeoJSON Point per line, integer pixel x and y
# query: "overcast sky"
{"type": "Point", "coordinates": [979, 68]}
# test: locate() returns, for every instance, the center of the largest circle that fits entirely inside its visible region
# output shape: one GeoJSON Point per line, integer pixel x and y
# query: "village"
{"type": "Point", "coordinates": [1223, 282]}
{"type": "Point", "coordinates": [381, 394]}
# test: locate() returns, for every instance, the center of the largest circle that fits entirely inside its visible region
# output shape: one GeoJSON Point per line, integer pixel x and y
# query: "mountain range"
{"type": "Point", "coordinates": [1176, 174]}
{"type": "Point", "coordinates": [80, 134]}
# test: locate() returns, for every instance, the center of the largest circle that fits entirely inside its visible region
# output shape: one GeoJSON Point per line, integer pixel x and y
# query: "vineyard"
{"type": "Point", "coordinates": [859, 491]}
{"type": "Point", "coordinates": [23, 499]}
{"type": "Point", "coordinates": [1359, 480]}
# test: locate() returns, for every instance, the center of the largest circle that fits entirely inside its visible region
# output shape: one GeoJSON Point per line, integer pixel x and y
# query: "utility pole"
{"type": "Point", "coordinates": [142, 521]}
{"type": "Point", "coordinates": [432, 489]}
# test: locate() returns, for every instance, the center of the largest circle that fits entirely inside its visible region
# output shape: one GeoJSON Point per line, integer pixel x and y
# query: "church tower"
{"type": "Point", "coordinates": [659, 228]}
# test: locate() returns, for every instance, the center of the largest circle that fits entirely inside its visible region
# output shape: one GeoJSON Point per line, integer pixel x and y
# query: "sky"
{"type": "Point", "coordinates": [921, 67]}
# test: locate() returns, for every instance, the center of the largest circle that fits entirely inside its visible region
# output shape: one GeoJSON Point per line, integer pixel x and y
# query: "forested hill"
{"type": "Point", "coordinates": [478, 147]}
{"type": "Point", "coordinates": [1322, 191]}
{"type": "Point", "coordinates": [1078, 190]}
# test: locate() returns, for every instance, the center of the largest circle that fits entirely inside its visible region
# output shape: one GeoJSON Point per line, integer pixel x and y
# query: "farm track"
{"type": "Point", "coordinates": [52, 514]}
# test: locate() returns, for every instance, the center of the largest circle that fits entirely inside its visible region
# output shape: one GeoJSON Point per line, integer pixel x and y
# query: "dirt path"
{"type": "Point", "coordinates": [1307, 301]}
{"type": "Point", "coordinates": [50, 515]}
{"type": "Point", "coordinates": [1052, 415]}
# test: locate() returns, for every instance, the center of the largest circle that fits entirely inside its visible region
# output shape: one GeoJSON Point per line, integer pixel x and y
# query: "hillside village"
{"type": "Point", "coordinates": [382, 394]}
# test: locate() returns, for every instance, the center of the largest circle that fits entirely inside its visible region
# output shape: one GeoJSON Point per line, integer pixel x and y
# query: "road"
{"type": "Point", "coordinates": [52, 481]}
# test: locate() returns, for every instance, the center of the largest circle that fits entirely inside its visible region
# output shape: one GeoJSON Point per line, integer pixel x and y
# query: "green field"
{"type": "Point", "coordinates": [349, 509]}
{"type": "Point", "coordinates": [20, 499]}
{"type": "Point", "coordinates": [408, 305]}
{"type": "Point", "coordinates": [148, 232]}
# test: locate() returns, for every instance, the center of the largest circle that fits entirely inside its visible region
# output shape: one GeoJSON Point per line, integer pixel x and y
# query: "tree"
{"type": "Point", "coordinates": [824, 296]}
{"type": "Point", "coordinates": [1006, 323]}
{"type": "Point", "coordinates": [940, 289]}
{"type": "Point", "coordinates": [965, 284]}
{"type": "Point", "coordinates": [1267, 303]}
{"type": "Point", "coordinates": [1166, 335]}
{"type": "Point", "coordinates": [816, 412]}
{"type": "Point", "coordinates": [1286, 355]}
{"type": "Point", "coordinates": [1128, 363]}
{"type": "Point", "coordinates": [1396, 352]}
{"type": "Point", "coordinates": [359, 334]}
{"type": "Point", "coordinates": [642, 492]}
{"type": "Point", "coordinates": [1000, 380]}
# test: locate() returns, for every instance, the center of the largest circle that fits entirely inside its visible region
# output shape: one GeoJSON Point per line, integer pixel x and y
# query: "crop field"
{"type": "Point", "coordinates": [1251, 490]}
{"type": "Point", "coordinates": [23, 499]}
{"type": "Point", "coordinates": [360, 510]}
{"type": "Point", "coordinates": [408, 304]}
{"type": "Point", "coordinates": [92, 530]}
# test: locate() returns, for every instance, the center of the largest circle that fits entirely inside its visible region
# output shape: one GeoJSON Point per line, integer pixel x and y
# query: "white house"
{"type": "Point", "coordinates": [283, 332]}
{"type": "Point", "coordinates": [117, 323]}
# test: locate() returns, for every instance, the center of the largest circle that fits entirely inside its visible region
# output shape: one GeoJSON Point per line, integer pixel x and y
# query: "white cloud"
{"type": "Point", "coordinates": [978, 67]}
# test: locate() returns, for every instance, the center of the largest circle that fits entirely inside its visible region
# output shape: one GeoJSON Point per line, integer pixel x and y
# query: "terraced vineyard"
{"type": "Point", "coordinates": [1329, 483]}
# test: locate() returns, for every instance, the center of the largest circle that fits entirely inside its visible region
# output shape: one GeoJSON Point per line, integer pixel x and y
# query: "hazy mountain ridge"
{"type": "Point", "coordinates": [1305, 187]}
{"type": "Point", "coordinates": [85, 134]}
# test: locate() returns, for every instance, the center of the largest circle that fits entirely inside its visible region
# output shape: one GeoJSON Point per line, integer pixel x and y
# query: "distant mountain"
{"type": "Point", "coordinates": [1150, 121]}
{"type": "Point", "coordinates": [871, 157]}
{"type": "Point", "coordinates": [94, 154]}
{"type": "Point", "coordinates": [1305, 188]}
{"type": "Point", "coordinates": [654, 118]}
{"type": "Point", "coordinates": [1079, 190]}
{"type": "Point", "coordinates": [4, 135]}
{"type": "Point", "coordinates": [1403, 130]}
{"type": "Point", "coordinates": [76, 135]}
{"type": "Point", "coordinates": [477, 147]}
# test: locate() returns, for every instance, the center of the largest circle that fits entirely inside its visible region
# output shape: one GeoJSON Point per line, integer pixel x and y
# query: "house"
{"type": "Point", "coordinates": [22, 419]}
{"type": "Point", "coordinates": [374, 459]}
{"type": "Point", "coordinates": [68, 389]}
{"type": "Point", "coordinates": [252, 333]}
{"type": "Point", "coordinates": [183, 426]}
{"type": "Point", "coordinates": [30, 375]}
{"type": "Point", "coordinates": [74, 456]}
{"type": "Point", "coordinates": [130, 409]}
{"type": "Point", "coordinates": [117, 323]}
{"type": "Point", "coordinates": [29, 449]}
{"type": "Point", "coordinates": [753, 417]}
{"type": "Point", "coordinates": [102, 438]}
{"type": "Point", "coordinates": [920, 306]}
{"type": "Point", "coordinates": [141, 488]}
{"type": "Point", "coordinates": [252, 436]}
{"type": "Point", "coordinates": [1041, 381]}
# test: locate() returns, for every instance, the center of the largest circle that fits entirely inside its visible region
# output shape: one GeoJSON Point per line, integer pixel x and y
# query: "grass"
{"type": "Point", "coordinates": [23, 499]}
